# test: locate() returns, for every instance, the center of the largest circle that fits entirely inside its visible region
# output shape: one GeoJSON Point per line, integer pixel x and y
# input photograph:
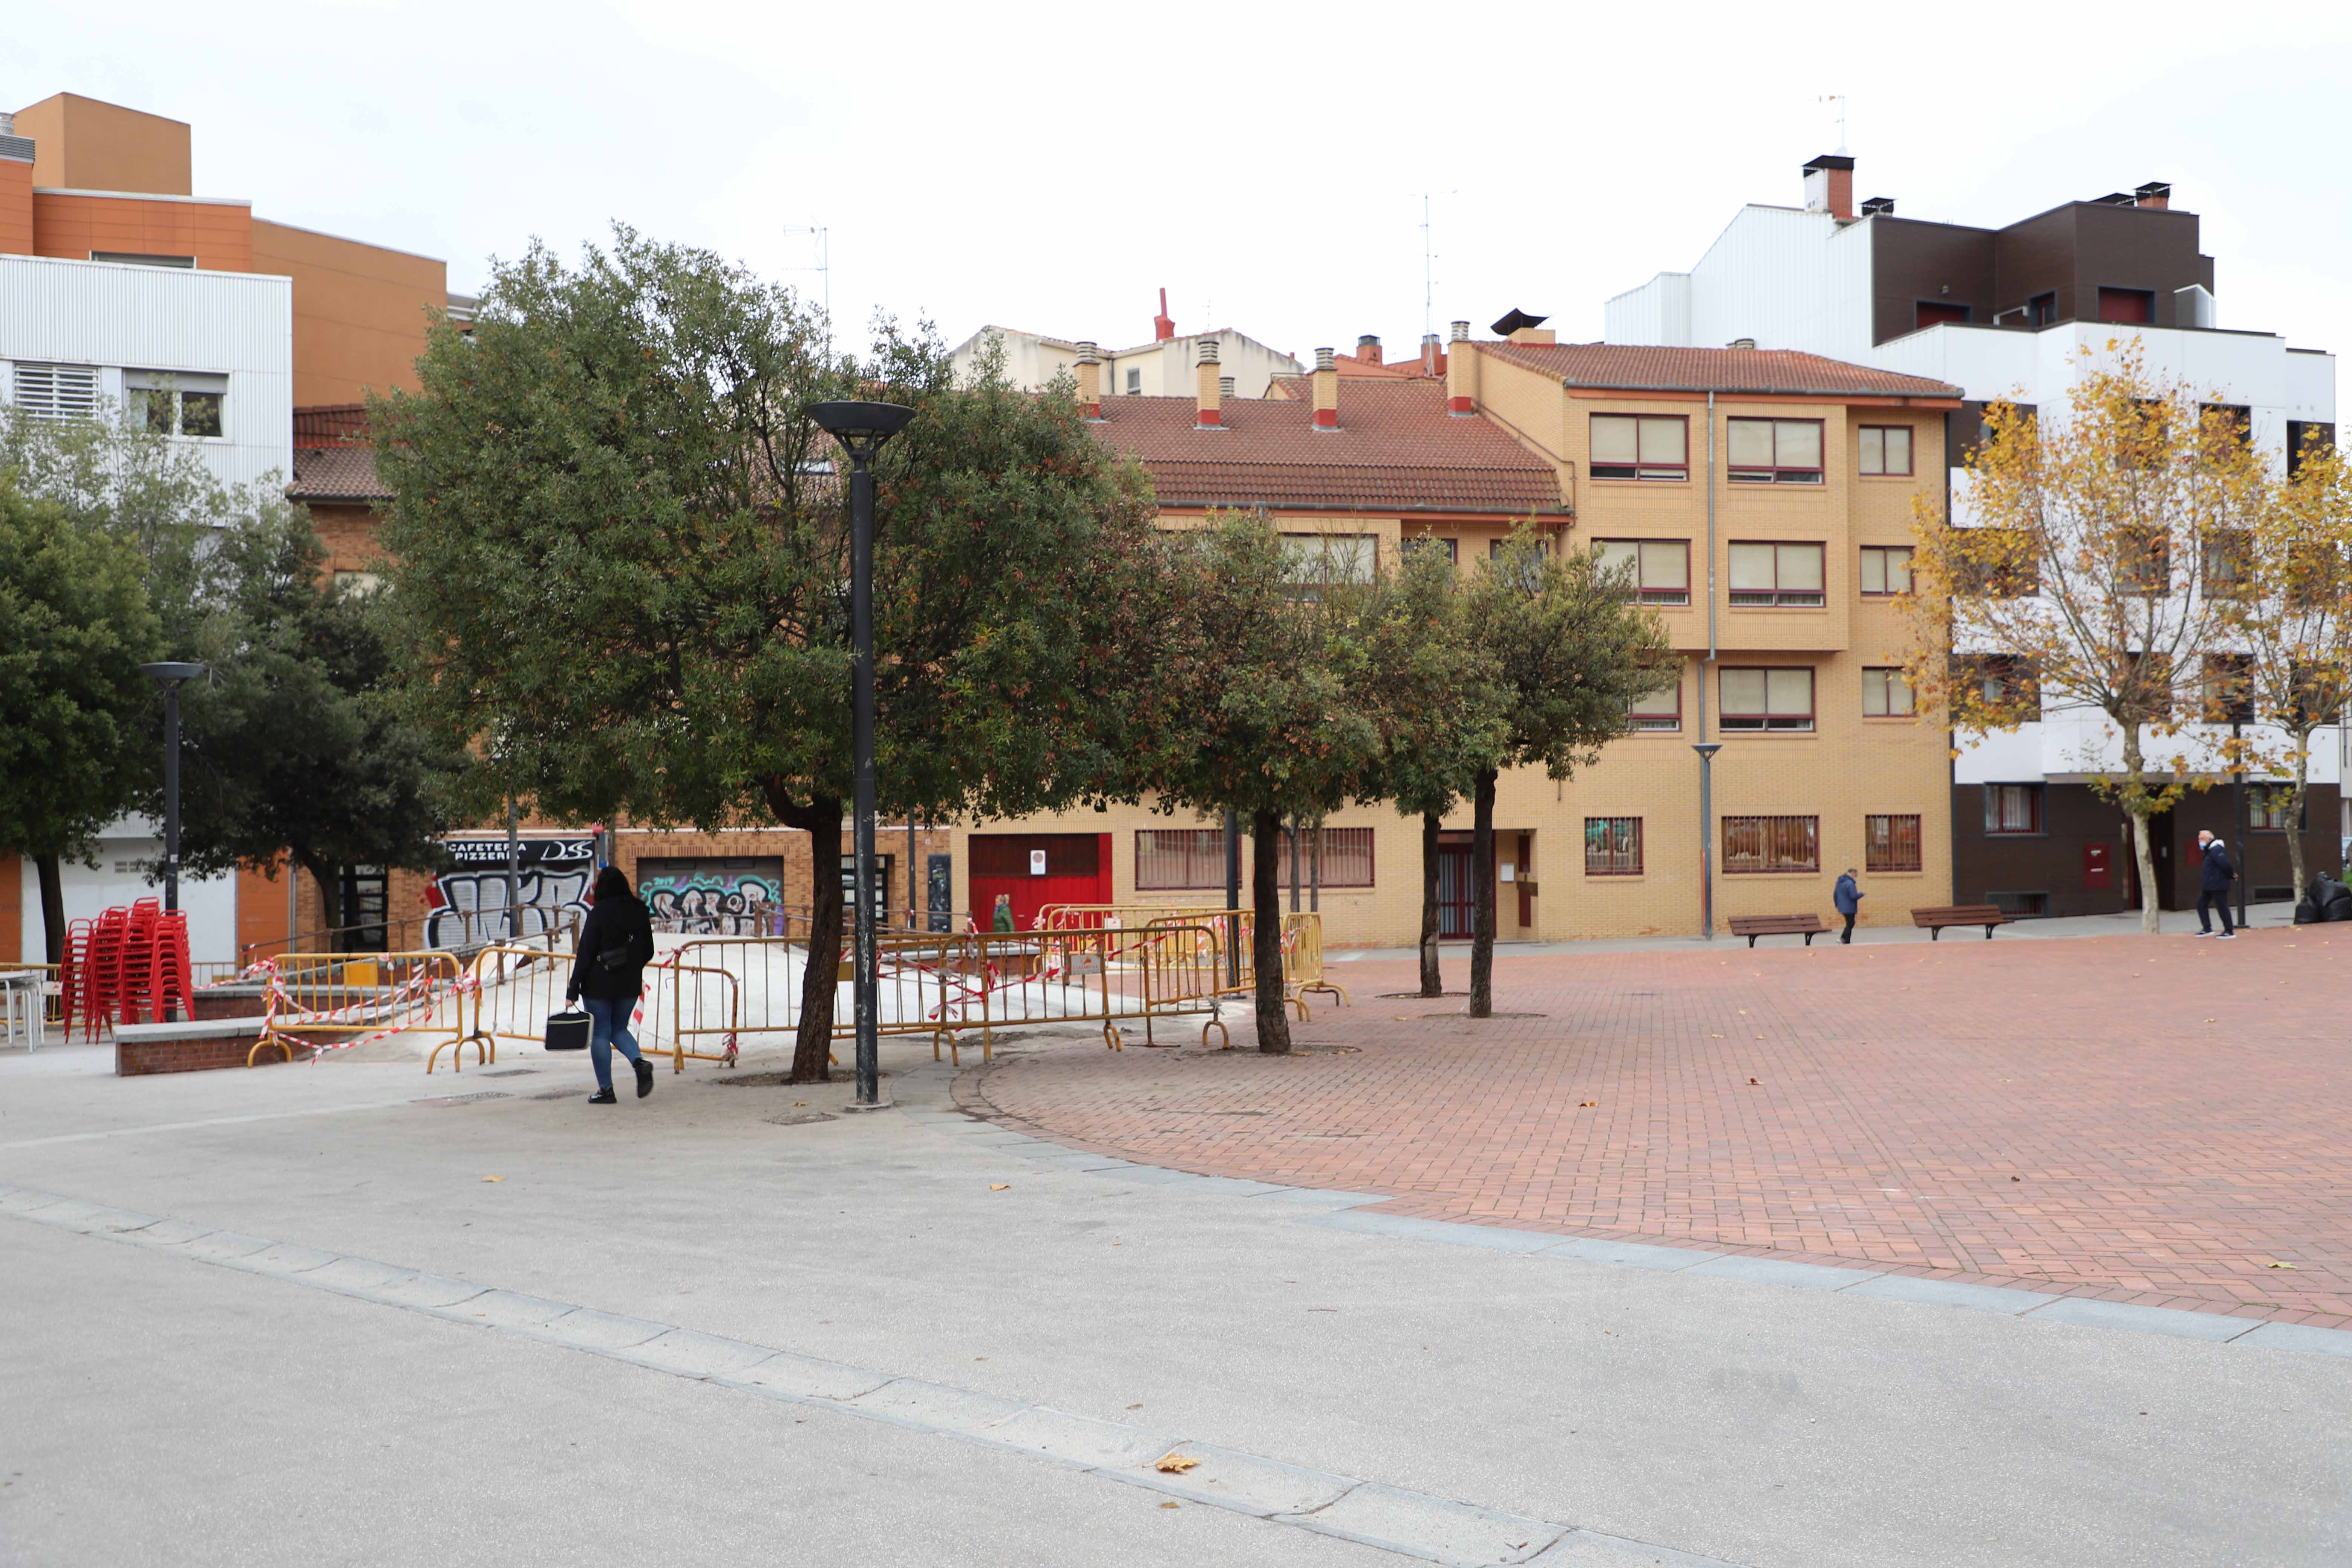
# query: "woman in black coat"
{"type": "Point", "coordinates": [609, 975]}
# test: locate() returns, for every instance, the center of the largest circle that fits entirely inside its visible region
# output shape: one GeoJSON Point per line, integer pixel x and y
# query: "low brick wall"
{"type": "Point", "coordinates": [198, 1047]}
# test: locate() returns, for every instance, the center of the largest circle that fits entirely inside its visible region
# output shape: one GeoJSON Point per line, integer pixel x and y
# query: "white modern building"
{"type": "Point", "coordinates": [1164, 367]}
{"type": "Point", "coordinates": [204, 355]}
{"type": "Point", "coordinates": [2009, 313]}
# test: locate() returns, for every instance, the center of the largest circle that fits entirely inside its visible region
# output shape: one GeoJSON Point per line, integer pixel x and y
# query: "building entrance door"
{"type": "Point", "coordinates": [1457, 905]}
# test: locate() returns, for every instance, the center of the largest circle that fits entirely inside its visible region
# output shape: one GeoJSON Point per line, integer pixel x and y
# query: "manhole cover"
{"type": "Point", "coordinates": [801, 1118]}
{"type": "Point", "coordinates": [468, 1099]}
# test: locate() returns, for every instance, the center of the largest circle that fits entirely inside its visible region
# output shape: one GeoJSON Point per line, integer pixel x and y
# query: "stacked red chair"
{"type": "Point", "coordinates": [106, 943]}
{"type": "Point", "coordinates": [169, 982]}
{"type": "Point", "coordinates": [137, 997]}
{"type": "Point", "coordinates": [73, 978]}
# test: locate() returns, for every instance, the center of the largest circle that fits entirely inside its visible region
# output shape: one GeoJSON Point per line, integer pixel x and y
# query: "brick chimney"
{"type": "Point", "coordinates": [1090, 380]}
{"type": "Point", "coordinates": [1326, 390]}
{"type": "Point", "coordinates": [1433, 358]}
{"type": "Point", "coordinates": [1163, 325]}
{"type": "Point", "coordinates": [1368, 349]}
{"type": "Point", "coordinates": [1210, 389]}
{"type": "Point", "coordinates": [1829, 186]}
{"type": "Point", "coordinates": [1461, 367]}
{"type": "Point", "coordinates": [2156, 194]}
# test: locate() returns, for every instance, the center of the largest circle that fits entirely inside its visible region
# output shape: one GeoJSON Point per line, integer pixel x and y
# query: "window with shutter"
{"type": "Point", "coordinates": [57, 391]}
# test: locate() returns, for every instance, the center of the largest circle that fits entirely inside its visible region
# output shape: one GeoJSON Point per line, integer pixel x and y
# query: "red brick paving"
{"type": "Point", "coordinates": [2145, 1120]}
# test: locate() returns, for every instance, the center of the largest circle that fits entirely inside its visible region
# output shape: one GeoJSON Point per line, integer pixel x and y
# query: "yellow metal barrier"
{"type": "Point", "coordinates": [313, 995]}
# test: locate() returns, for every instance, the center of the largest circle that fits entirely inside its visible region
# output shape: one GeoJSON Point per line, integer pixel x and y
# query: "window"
{"type": "Point", "coordinates": [2228, 693]}
{"type": "Point", "coordinates": [2236, 419]}
{"type": "Point", "coordinates": [1661, 711]}
{"type": "Point", "coordinates": [1789, 575]}
{"type": "Point", "coordinates": [1885, 448]}
{"type": "Point", "coordinates": [1177, 858]}
{"type": "Point", "coordinates": [1775, 452]}
{"type": "Point", "coordinates": [1347, 858]}
{"type": "Point", "coordinates": [2013, 808]}
{"type": "Point", "coordinates": [1997, 562]}
{"type": "Point", "coordinates": [1661, 567]}
{"type": "Point", "coordinates": [1612, 845]}
{"type": "Point", "coordinates": [2307, 438]}
{"type": "Point", "coordinates": [2127, 307]}
{"type": "Point", "coordinates": [2227, 558]}
{"type": "Point", "coordinates": [172, 403]}
{"type": "Point", "coordinates": [1641, 446]}
{"type": "Point", "coordinates": [1936, 313]}
{"type": "Point", "coordinates": [2042, 309]}
{"type": "Point", "coordinates": [1885, 569]}
{"type": "Point", "coordinates": [1134, 382]}
{"type": "Point", "coordinates": [1494, 548]}
{"type": "Point", "coordinates": [1890, 844]}
{"type": "Point", "coordinates": [139, 259]}
{"type": "Point", "coordinates": [2144, 562]}
{"type": "Point", "coordinates": [2001, 679]}
{"type": "Point", "coordinates": [1886, 694]}
{"type": "Point", "coordinates": [57, 391]}
{"type": "Point", "coordinates": [1430, 542]}
{"type": "Point", "coordinates": [1321, 558]}
{"type": "Point", "coordinates": [1760, 844]}
{"type": "Point", "coordinates": [2268, 807]}
{"type": "Point", "coordinates": [1773, 700]}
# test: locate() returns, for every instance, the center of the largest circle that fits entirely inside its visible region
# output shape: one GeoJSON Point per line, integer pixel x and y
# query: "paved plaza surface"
{"type": "Point", "coordinates": [2163, 1121]}
{"type": "Point", "coordinates": [350, 1314]}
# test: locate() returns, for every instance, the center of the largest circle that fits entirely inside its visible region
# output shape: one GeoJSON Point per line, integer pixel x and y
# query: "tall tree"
{"type": "Point", "coordinates": [620, 543]}
{"type": "Point", "coordinates": [1266, 708]}
{"type": "Point", "coordinates": [74, 626]}
{"type": "Point", "coordinates": [2075, 577]}
{"type": "Point", "coordinates": [1567, 651]}
{"type": "Point", "coordinates": [2284, 594]}
{"type": "Point", "coordinates": [1444, 720]}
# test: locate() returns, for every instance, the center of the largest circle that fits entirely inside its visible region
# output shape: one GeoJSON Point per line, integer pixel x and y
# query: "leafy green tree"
{"type": "Point", "coordinates": [1444, 719]}
{"type": "Point", "coordinates": [621, 546]}
{"type": "Point", "coordinates": [1567, 651]}
{"type": "Point", "coordinates": [1268, 709]}
{"type": "Point", "coordinates": [74, 626]}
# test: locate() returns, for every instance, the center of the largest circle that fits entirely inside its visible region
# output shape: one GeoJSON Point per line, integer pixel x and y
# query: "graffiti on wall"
{"type": "Point", "coordinates": [469, 900]}
{"type": "Point", "coordinates": [736, 897]}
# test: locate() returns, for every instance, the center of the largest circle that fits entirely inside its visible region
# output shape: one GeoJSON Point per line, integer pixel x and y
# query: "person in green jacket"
{"type": "Point", "coordinates": [1004, 918]}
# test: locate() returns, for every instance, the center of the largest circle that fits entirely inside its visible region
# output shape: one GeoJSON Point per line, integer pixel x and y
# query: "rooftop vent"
{"type": "Point", "coordinates": [2155, 193]}
{"type": "Point", "coordinates": [1740, 344]}
{"type": "Point", "coordinates": [1878, 206]}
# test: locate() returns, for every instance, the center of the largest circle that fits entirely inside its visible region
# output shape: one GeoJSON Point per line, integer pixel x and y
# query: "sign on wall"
{"type": "Point", "coordinates": [469, 900]}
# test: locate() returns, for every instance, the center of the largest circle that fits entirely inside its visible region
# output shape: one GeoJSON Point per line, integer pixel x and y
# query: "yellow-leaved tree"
{"type": "Point", "coordinates": [2073, 584]}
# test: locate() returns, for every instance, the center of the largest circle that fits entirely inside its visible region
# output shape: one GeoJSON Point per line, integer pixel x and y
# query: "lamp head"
{"type": "Point", "coordinates": [172, 671]}
{"type": "Point", "coordinates": [861, 427]}
{"type": "Point", "coordinates": [1706, 748]}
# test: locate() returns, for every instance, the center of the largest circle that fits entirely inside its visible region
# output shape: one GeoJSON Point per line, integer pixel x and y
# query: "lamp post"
{"type": "Point", "coordinates": [861, 428]}
{"type": "Point", "coordinates": [169, 675]}
{"type": "Point", "coordinates": [1706, 750]}
{"type": "Point", "coordinates": [2237, 810]}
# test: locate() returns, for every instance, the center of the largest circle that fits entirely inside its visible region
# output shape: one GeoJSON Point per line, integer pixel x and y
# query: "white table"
{"type": "Point", "coordinates": [21, 1002]}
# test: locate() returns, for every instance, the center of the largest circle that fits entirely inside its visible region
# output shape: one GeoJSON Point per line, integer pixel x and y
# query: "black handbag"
{"type": "Point", "coordinates": [567, 1031]}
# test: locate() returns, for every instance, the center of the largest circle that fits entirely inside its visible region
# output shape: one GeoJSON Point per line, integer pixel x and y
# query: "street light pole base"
{"type": "Point", "coordinates": [885, 1103]}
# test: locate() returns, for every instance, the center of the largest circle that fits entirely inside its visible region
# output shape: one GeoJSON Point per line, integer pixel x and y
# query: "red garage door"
{"type": "Point", "coordinates": [1076, 869]}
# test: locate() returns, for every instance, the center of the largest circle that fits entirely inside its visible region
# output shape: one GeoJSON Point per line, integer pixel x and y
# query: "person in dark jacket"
{"type": "Point", "coordinates": [2213, 887]}
{"type": "Point", "coordinates": [1848, 898]}
{"type": "Point", "coordinates": [609, 975]}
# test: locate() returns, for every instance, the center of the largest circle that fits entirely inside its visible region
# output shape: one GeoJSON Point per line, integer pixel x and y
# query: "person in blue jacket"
{"type": "Point", "coordinates": [2213, 887]}
{"type": "Point", "coordinates": [1848, 899]}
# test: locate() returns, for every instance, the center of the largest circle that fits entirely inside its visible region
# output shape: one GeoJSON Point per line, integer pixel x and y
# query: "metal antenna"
{"type": "Point", "coordinates": [823, 269]}
{"type": "Point", "coordinates": [1838, 98]}
{"type": "Point", "coordinates": [1428, 269]}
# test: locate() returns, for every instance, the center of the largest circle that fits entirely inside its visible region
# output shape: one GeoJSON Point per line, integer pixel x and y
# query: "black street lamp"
{"type": "Point", "coordinates": [169, 675]}
{"type": "Point", "coordinates": [1706, 750]}
{"type": "Point", "coordinates": [2238, 809]}
{"type": "Point", "coordinates": [861, 428]}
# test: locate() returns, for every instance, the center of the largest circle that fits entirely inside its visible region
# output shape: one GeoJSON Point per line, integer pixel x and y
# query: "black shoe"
{"type": "Point", "coordinates": [645, 1078]}
{"type": "Point", "coordinates": [604, 1097]}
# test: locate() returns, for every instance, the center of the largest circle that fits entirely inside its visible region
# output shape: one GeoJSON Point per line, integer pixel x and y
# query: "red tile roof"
{"type": "Point", "coordinates": [1397, 449]}
{"type": "Point", "coordinates": [329, 423]}
{"type": "Point", "coordinates": [336, 474]}
{"type": "Point", "coordinates": [1645, 367]}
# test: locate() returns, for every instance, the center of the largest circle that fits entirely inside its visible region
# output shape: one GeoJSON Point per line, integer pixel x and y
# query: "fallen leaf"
{"type": "Point", "coordinates": [1751, 1080]}
{"type": "Point", "coordinates": [1585, 1102]}
{"type": "Point", "coordinates": [2278, 1265]}
{"type": "Point", "coordinates": [1167, 1505]}
{"type": "Point", "coordinates": [1175, 1464]}
{"type": "Point", "coordinates": [2017, 1178]}
{"type": "Point", "coordinates": [1137, 1406]}
{"type": "Point", "coordinates": [800, 1103]}
{"type": "Point", "coordinates": [494, 1178]}
{"type": "Point", "coordinates": [998, 1186]}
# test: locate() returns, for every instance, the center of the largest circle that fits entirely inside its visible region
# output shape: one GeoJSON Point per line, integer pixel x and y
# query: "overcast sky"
{"type": "Point", "coordinates": [1052, 166]}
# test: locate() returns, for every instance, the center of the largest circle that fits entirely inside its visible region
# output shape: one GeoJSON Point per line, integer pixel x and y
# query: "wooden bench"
{"type": "Point", "coordinates": [1934, 921]}
{"type": "Point", "coordinates": [1753, 926]}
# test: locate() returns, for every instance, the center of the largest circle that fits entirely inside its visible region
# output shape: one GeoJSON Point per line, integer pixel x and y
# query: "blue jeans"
{"type": "Point", "coordinates": [608, 1025]}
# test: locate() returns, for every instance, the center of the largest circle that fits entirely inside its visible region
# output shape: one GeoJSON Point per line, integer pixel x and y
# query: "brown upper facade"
{"type": "Point", "coordinates": [89, 180]}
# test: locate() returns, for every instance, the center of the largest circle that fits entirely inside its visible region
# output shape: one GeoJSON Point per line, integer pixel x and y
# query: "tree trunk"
{"type": "Point", "coordinates": [820, 818]}
{"type": "Point", "coordinates": [1433, 980]}
{"type": "Point", "coordinates": [2297, 871]}
{"type": "Point", "coordinates": [2143, 850]}
{"type": "Point", "coordinates": [1266, 943]}
{"type": "Point", "coordinates": [1482, 884]}
{"type": "Point", "coordinates": [330, 898]}
{"type": "Point", "coordinates": [53, 905]}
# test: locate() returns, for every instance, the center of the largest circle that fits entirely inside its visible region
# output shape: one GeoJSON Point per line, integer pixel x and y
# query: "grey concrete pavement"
{"type": "Point", "coordinates": [1722, 1418]}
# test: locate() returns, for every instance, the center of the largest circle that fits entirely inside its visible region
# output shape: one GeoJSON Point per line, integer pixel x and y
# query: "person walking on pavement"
{"type": "Point", "coordinates": [1848, 899]}
{"type": "Point", "coordinates": [2213, 886]}
{"type": "Point", "coordinates": [1002, 918]}
{"type": "Point", "coordinates": [609, 975]}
